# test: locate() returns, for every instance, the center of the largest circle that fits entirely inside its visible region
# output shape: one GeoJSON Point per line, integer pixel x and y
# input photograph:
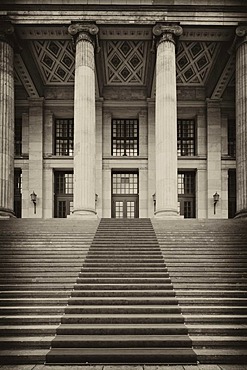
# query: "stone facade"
{"type": "Point", "coordinates": [152, 64]}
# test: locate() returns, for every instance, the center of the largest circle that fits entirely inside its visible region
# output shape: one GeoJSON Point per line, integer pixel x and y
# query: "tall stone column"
{"type": "Point", "coordinates": [6, 121]}
{"type": "Point", "coordinates": [84, 119]}
{"type": "Point", "coordinates": [241, 121]}
{"type": "Point", "coordinates": [166, 121]}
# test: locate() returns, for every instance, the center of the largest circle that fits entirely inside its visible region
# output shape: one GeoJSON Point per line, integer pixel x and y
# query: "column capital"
{"type": "Point", "coordinates": [241, 33]}
{"type": "Point", "coordinates": [167, 32]}
{"type": "Point", "coordinates": [83, 31]}
{"type": "Point", "coordinates": [7, 32]}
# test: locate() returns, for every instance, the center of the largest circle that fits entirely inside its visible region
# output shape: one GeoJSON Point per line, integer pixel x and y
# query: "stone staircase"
{"type": "Point", "coordinates": [39, 263]}
{"type": "Point", "coordinates": [123, 308]}
{"type": "Point", "coordinates": [125, 299]}
{"type": "Point", "coordinates": [207, 263]}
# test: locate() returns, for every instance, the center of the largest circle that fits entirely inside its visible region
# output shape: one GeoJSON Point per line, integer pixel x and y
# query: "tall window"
{"type": "Point", "coordinates": [232, 138]}
{"type": "Point", "coordinates": [186, 137]}
{"type": "Point", "coordinates": [17, 192]}
{"type": "Point", "coordinates": [64, 137]}
{"type": "Point", "coordinates": [231, 193]}
{"type": "Point", "coordinates": [18, 137]}
{"type": "Point", "coordinates": [125, 137]}
{"type": "Point", "coordinates": [186, 194]}
{"type": "Point", "coordinates": [64, 188]}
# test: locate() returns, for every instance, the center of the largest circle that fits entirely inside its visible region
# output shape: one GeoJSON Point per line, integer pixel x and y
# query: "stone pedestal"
{"type": "Point", "coordinates": [6, 122]}
{"type": "Point", "coordinates": [84, 120]}
{"type": "Point", "coordinates": [166, 121]}
{"type": "Point", "coordinates": [241, 121]}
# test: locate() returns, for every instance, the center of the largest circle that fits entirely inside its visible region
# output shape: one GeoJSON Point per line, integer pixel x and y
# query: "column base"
{"type": "Point", "coordinates": [167, 214]}
{"type": "Point", "coordinates": [241, 214]}
{"type": "Point", "coordinates": [6, 213]}
{"type": "Point", "coordinates": [83, 214]}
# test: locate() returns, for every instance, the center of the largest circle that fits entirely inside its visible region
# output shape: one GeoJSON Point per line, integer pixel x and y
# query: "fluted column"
{"type": "Point", "coordinates": [6, 121]}
{"type": "Point", "coordinates": [241, 121]}
{"type": "Point", "coordinates": [84, 119]}
{"type": "Point", "coordinates": [166, 121]}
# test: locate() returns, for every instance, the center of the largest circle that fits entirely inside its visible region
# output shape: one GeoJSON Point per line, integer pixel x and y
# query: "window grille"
{"type": "Point", "coordinates": [125, 137]}
{"type": "Point", "coordinates": [64, 137]}
{"type": "Point", "coordinates": [18, 137]}
{"type": "Point", "coordinates": [125, 183]}
{"type": "Point", "coordinates": [232, 138]}
{"type": "Point", "coordinates": [186, 138]}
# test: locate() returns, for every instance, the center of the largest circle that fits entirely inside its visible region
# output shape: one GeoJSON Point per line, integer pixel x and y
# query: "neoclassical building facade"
{"type": "Point", "coordinates": [123, 109]}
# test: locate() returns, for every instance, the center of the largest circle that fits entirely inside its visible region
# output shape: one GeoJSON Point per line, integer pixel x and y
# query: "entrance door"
{"type": "Point", "coordinates": [63, 186]}
{"type": "Point", "coordinates": [125, 195]}
{"type": "Point", "coordinates": [186, 194]}
{"type": "Point", "coordinates": [124, 207]}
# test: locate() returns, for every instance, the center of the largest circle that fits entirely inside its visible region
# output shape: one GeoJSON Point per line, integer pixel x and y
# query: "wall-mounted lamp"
{"type": "Point", "coordinates": [34, 200]}
{"type": "Point", "coordinates": [96, 198]}
{"type": "Point", "coordinates": [154, 201]}
{"type": "Point", "coordinates": [216, 199]}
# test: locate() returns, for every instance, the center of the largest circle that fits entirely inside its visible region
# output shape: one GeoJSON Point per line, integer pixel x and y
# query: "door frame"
{"type": "Point", "coordinates": [125, 197]}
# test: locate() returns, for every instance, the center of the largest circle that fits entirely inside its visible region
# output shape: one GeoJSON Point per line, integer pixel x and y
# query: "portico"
{"type": "Point", "coordinates": [124, 117]}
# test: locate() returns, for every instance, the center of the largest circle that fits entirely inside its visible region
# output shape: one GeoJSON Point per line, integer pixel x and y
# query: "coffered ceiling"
{"type": "Point", "coordinates": [126, 57]}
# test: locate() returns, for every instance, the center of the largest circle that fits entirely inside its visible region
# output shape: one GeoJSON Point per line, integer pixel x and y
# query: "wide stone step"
{"type": "Point", "coordinates": [31, 330]}
{"type": "Point", "coordinates": [123, 300]}
{"type": "Point", "coordinates": [121, 341]}
{"type": "Point", "coordinates": [30, 319]}
{"type": "Point", "coordinates": [213, 318]}
{"type": "Point", "coordinates": [121, 318]}
{"type": "Point", "coordinates": [211, 293]}
{"type": "Point", "coordinates": [26, 342]}
{"type": "Point", "coordinates": [123, 293]}
{"type": "Point", "coordinates": [183, 301]}
{"type": "Point", "coordinates": [119, 355]}
{"type": "Point", "coordinates": [222, 356]}
{"type": "Point", "coordinates": [220, 329]}
{"type": "Point", "coordinates": [220, 309]}
{"type": "Point", "coordinates": [33, 301]}
{"type": "Point", "coordinates": [218, 341]}
{"type": "Point", "coordinates": [134, 280]}
{"type": "Point", "coordinates": [124, 286]}
{"type": "Point", "coordinates": [120, 274]}
{"type": "Point", "coordinates": [23, 356]}
{"type": "Point", "coordinates": [122, 309]}
{"type": "Point", "coordinates": [122, 329]}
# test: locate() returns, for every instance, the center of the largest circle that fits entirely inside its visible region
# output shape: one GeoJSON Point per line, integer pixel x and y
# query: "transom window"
{"type": "Point", "coordinates": [125, 137]}
{"type": "Point", "coordinates": [232, 138]}
{"type": "Point", "coordinates": [64, 137]}
{"type": "Point", "coordinates": [64, 183]}
{"type": "Point", "coordinates": [125, 183]}
{"type": "Point", "coordinates": [186, 138]}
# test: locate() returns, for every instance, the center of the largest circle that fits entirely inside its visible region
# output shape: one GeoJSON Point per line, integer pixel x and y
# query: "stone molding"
{"type": "Point", "coordinates": [166, 32]}
{"type": "Point", "coordinates": [84, 32]}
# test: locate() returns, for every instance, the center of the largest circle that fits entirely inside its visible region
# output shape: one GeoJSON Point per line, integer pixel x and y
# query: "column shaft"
{"type": "Point", "coordinates": [84, 122]}
{"type": "Point", "coordinates": [6, 130]}
{"type": "Point", "coordinates": [241, 123]}
{"type": "Point", "coordinates": [166, 124]}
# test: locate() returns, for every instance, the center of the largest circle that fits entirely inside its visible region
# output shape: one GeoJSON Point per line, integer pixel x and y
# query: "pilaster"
{"type": "Point", "coordinates": [36, 155]}
{"type": "Point", "coordinates": [213, 157]}
{"type": "Point", "coordinates": [166, 120]}
{"type": "Point", "coordinates": [6, 121]}
{"type": "Point", "coordinates": [84, 119]}
{"type": "Point", "coordinates": [241, 121]}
